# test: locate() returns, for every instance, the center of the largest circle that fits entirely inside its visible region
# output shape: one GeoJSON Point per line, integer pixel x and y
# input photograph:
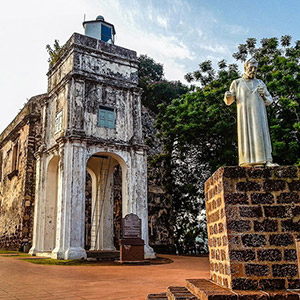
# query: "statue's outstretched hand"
{"type": "Point", "coordinates": [228, 94]}
{"type": "Point", "coordinates": [261, 91]}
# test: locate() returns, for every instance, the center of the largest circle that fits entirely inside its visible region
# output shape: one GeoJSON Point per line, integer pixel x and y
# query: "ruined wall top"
{"type": "Point", "coordinates": [83, 40]}
{"type": "Point", "coordinates": [31, 108]}
{"type": "Point", "coordinates": [94, 59]}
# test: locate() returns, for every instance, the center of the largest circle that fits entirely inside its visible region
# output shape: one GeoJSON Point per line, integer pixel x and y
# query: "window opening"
{"type": "Point", "coordinates": [106, 117]}
{"type": "Point", "coordinates": [58, 122]}
{"type": "Point", "coordinates": [1, 163]}
{"type": "Point", "coordinates": [15, 157]}
{"type": "Point", "coordinates": [105, 33]}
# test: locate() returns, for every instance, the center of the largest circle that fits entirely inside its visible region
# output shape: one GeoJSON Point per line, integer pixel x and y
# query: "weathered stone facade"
{"type": "Point", "coordinates": [90, 76]}
{"type": "Point", "coordinates": [18, 143]}
{"type": "Point", "coordinates": [61, 139]}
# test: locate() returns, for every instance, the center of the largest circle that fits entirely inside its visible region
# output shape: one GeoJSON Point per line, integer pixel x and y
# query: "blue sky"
{"type": "Point", "coordinates": [179, 34]}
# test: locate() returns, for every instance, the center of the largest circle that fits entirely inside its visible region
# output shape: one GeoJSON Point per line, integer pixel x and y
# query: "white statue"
{"type": "Point", "coordinates": [251, 97]}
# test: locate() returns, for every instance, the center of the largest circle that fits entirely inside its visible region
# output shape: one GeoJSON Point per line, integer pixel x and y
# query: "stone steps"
{"type": "Point", "coordinates": [162, 296]}
{"type": "Point", "coordinates": [204, 289]}
{"type": "Point", "coordinates": [180, 293]}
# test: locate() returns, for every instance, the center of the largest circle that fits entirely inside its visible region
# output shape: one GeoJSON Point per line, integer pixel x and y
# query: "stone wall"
{"type": "Point", "coordinates": [161, 235]}
{"type": "Point", "coordinates": [18, 143]}
{"type": "Point", "coordinates": [253, 218]}
{"type": "Point", "coordinates": [161, 229]}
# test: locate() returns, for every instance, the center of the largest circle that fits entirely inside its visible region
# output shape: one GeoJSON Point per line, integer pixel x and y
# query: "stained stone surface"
{"type": "Point", "coordinates": [253, 220]}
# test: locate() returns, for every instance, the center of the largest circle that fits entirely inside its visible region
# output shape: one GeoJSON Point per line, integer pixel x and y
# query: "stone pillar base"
{"type": "Point", "coordinates": [253, 223]}
{"type": "Point", "coordinates": [253, 220]}
{"type": "Point", "coordinates": [206, 289]}
{"type": "Point", "coordinates": [75, 253]}
{"type": "Point", "coordinates": [149, 252]}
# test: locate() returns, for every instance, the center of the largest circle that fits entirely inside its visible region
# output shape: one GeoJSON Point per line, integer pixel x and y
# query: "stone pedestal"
{"type": "Point", "coordinates": [131, 250]}
{"type": "Point", "coordinates": [253, 221]}
{"type": "Point", "coordinates": [131, 244]}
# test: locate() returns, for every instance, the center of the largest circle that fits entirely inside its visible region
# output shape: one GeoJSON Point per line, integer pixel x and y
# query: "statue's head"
{"type": "Point", "coordinates": [250, 67]}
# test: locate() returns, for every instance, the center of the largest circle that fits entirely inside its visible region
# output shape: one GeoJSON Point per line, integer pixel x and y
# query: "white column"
{"type": "Point", "coordinates": [94, 211]}
{"type": "Point", "coordinates": [71, 203]}
{"type": "Point", "coordinates": [58, 251]}
{"type": "Point", "coordinates": [137, 194]}
{"type": "Point", "coordinates": [38, 222]}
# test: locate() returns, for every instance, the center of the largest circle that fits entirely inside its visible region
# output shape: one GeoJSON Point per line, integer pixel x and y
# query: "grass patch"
{"type": "Point", "coordinates": [2, 251]}
{"type": "Point", "coordinates": [81, 262]}
{"type": "Point", "coordinates": [56, 262]}
{"type": "Point", "coordinates": [16, 255]}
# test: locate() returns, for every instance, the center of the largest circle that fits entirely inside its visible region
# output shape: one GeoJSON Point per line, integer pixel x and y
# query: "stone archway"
{"type": "Point", "coordinates": [102, 212]}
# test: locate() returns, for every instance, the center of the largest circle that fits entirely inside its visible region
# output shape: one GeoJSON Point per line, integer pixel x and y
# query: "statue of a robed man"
{"type": "Point", "coordinates": [252, 97]}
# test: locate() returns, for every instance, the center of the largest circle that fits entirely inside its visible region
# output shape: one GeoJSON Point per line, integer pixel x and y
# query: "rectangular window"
{"type": "Point", "coordinates": [105, 33]}
{"type": "Point", "coordinates": [106, 117]}
{"type": "Point", "coordinates": [15, 157]}
{"type": "Point", "coordinates": [1, 163]}
{"type": "Point", "coordinates": [58, 122]}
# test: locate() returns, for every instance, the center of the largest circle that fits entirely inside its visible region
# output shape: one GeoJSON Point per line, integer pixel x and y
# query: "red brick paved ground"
{"type": "Point", "coordinates": [25, 281]}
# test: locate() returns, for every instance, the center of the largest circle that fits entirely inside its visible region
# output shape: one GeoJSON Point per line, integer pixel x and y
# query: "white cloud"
{"type": "Point", "coordinates": [163, 22]}
{"type": "Point", "coordinates": [215, 48]}
{"type": "Point", "coordinates": [184, 36]}
{"type": "Point", "coordinates": [236, 29]}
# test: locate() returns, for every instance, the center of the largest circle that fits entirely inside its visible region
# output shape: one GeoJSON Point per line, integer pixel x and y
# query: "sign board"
{"type": "Point", "coordinates": [131, 227]}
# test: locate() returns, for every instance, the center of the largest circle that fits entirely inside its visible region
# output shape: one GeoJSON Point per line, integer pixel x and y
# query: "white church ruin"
{"type": "Point", "coordinates": [89, 126]}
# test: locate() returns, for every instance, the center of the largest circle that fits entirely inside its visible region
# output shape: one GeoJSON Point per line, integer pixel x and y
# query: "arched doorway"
{"type": "Point", "coordinates": [103, 204]}
{"type": "Point", "coordinates": [51, 205]}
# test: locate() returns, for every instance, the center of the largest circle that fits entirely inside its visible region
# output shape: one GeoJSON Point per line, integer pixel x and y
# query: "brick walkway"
{"type": "Point", "coordinates": [25, 281]}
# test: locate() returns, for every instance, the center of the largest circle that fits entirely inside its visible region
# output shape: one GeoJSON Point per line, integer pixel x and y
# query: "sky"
{"type": "Point", "coordinates": [180, 34]}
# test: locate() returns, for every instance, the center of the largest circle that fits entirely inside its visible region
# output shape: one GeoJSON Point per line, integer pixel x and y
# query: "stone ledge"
{"type": "Point", "coordinates": [162, 296]}
{"type": "Point", "coordinates": [205, 289]}
{"type": "Point", "coordinates": [178, 293]}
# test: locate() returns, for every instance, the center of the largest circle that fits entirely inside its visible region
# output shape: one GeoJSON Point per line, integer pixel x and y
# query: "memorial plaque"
{"type": "Point", "coordinates": [131, 227]}
{"type": "Point", "coordinates": [131, 244]}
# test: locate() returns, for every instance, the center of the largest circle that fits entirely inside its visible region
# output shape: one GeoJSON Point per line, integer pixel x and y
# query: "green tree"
{"type": "Point", "coordinates": [162, 92]}
{"type": "Point", "coordinates": [156, 89]}
{"type": "Point", "coordinates": [149, 70]}
{"type": "Point", "coordinates": [196, 130]}
{"type": "Point", "coordinates": [199, 131]}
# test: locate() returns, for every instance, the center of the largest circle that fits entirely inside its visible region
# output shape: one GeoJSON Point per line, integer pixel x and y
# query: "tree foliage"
{"type": "Point", "coordinates": [55, 52]}
{"type": "Point", "coordinates": [156, 89]}
{"type": "Point", "coordinates": [199, 131]}
{"type": "Point", "coordinates": [201, 119]}
{"type": "Point", "coordinates": [149, 70]}
{"type": "Point", "coordinates": [162, 92]}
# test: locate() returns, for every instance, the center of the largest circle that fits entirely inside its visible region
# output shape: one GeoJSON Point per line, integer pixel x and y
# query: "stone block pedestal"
{"type": "Point", "coordinates": [253, 223]}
